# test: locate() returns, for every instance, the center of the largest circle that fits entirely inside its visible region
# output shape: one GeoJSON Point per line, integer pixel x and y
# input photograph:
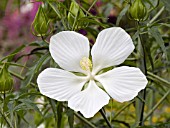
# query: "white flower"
{"type": "Point", "coordinates": [27, 7]}
{"type": "Point", "coordinates": [70, 51]}
{"type": "Point", "coordinates": [41, 126]}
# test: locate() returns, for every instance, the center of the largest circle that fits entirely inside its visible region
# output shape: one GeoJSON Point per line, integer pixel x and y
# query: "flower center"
{"type": "Point", "coordinates": [86, 64]}
{"type": "Point", "coordinates": [91, 76]}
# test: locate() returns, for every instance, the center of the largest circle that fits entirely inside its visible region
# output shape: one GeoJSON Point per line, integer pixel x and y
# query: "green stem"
{"type": "Point", "coordinates": [122, 109]}
{"type": "Point", "coordinates": [54, 111]}
{"type": "Point", "coordinates": [58, 14]}
{"type": "Point", "coordinates": [75, 20]}
{"type": "Point", "coordinates": [157, 15]}
{"type": "Point", "coordinates": [122, 122]}
{"type": "Point", "coordinates": [151, 103]}
{"type": "Point", "coordinates": [156, 106]}
{"type": "Point", "coordinates": [142, 65]}
{"type": "Point", "coordinates": [159, 79]}
{"type": "Point", "coordinates": [143, 91]}
{"type": "Point", "coordinates": [76, 114]}
{"type": "Point", "coordinates": [4, 96]}
{"type": "Point", "coordinates": [91, 6]}
{"type": "Point", "coordinates": [84, 120]}
{"type": "Point", "coordinates": [2, 112]}
{"type": "Point", "coordinates": [20, 77]}
{"type": "Point", "coordinates": [6, 119]}
{"type": "Point", "coordinates": [105, 118]}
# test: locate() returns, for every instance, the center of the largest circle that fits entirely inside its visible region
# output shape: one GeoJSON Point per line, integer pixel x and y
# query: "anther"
{"type": "Point", "coordinates": [86, 64]}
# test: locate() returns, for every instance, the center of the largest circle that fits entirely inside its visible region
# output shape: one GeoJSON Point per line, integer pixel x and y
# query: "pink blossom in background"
{"type": "Point", "coordinates": [15, 27]}
{"type": "Point", "coordinates": [15, 30]}
{"type": "Point", "coordinates": [99, 3]}
{"type": "Point", "coordinates": [1, 33]}
{"type": "Point", "coordinates": [18, 23]}
{"type": "Point", "coordinates": [34, 10]}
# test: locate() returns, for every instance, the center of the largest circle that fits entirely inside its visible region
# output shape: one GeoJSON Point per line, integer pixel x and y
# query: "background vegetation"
{"type": "Point", "coordinates": [25, 29]}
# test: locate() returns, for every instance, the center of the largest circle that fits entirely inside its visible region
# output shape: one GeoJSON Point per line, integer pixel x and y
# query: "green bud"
{"type": "Point", "coordinates": [40, 23]}
{"type": "Point", "coordinates": [50, 13]}
{"type": "Point", "coordinates": [138, 11]}
{"type": "Point", "coordinates": [6, 80]}
{"type": "Point", "coordinates": [75, 13]}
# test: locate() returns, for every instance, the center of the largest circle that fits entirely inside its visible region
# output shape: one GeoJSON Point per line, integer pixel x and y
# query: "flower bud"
{"type": "Point", "coordinates": [138, 11]}
{"type": "Point", "coordinates": [40, 23]}
{"type": "Point", "coordinates": [6, 80]}
{"type": "Point", "coordinates": [50, 13]}
{"type": "Point", "coordinates": [75, 13]}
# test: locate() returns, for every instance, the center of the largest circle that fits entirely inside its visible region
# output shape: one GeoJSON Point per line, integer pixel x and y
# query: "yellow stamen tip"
{"type": "Point", "coordinates": [86, 64]}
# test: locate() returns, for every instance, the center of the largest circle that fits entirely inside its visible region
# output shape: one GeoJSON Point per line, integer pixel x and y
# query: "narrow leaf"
{"type": "Point", "coordinates": [155, 33]}
{"type": "Point", "coordinates": [121, 14]}
{"type": "Point", "coordinates": [167, 4]}
{"type": "Point", "coordinates": [35, 69]}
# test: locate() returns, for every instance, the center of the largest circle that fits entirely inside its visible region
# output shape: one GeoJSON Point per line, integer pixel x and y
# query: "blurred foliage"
{"type": "Point", "coordinates": [25, 107]}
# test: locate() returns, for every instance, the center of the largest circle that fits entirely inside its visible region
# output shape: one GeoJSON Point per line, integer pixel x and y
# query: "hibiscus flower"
{"type": "Point", "coordinates": [82, 81]}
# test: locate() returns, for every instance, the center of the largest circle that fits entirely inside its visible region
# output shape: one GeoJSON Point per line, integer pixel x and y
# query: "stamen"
{"type": "Point", "coordinates": [86, 64]}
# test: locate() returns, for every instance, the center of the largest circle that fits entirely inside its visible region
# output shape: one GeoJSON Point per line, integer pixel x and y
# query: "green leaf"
{"type": "Point", "coordinates": [64, 120]}
{"type": "Point", "coordinates": [165, 24]}
{"type": "Point", "coordinates": [75, 13]}
{"type": "Point", "coordinates": [135, 36]}
{"type": "Point", "coordinates": [53, 106]}
{"type": "Point", "coordinates": [11, 106]}
{"type": "Point", "coordinates": [162, 125]}
{"type": "Point", "coordinates": [20, 106]}
{"type": "Point", "coordinates": [91, 20]}
{"type": "Point", "coordinates": [168, 51]}
{"type": "Point", "coordinates": [39, 43]}
{"type": "Point", "coordinates": [167, 4]}
{"type": "Point", "coordinates": [34, 70]}
{"type": "Point", "coordinates": [121, 14]}
{"type": "Point", "coordinates": [31, 105]}
{"type": "Point", "coordinates": [24, 95]}
{"type": "Point", "coordinates": [16, 51]}
{"type": "Point", "coordinates": [13, 64]}
{"type": "Point", "coordinates": [156, 34]}
{"type": "Point", "coordinates": [54, 9]}
{"type": "Point", "coordinates": [158, 79]}
{"type": "Point", "coordinates": [152, 3]}
{"type": "Point", "coordinates": [70, 114]}
{"type": "Point", "coordinates": [157, 104]}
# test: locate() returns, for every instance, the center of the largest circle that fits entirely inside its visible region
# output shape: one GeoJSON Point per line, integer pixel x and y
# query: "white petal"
{"type": "Point", "coordinates": [67, 49]}
{"type": "Point", "coordinates": [59, 84]}
{"type": "Point", "coordinates": [123, 83]}
{"type": "Point", "coordinates": [112, 47]}
{"type": "Point", "coordinates": [89, 101]}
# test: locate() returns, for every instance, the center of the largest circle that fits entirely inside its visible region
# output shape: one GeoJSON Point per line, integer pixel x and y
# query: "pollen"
{"type": "Point", "coordinates": [86, 64]}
